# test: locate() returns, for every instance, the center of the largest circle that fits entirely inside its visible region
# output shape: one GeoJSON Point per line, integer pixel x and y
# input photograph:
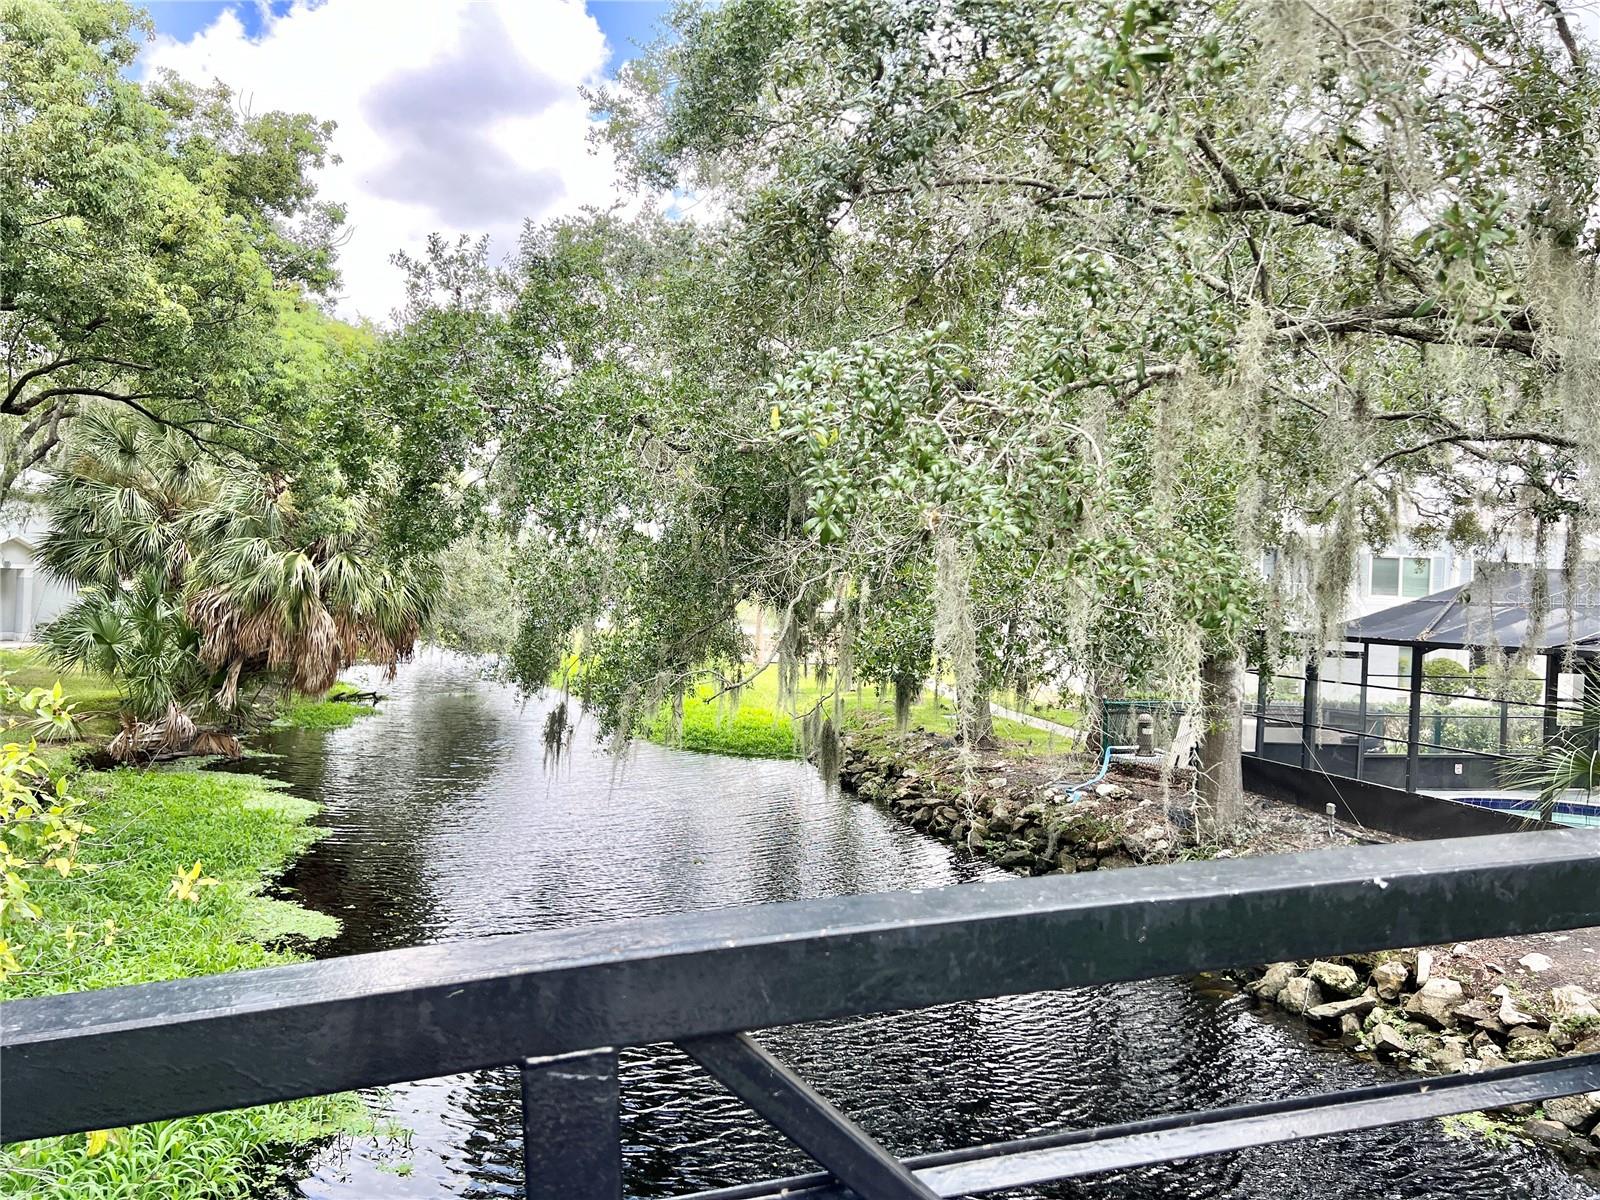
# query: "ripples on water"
{"type": "Point", "coordinates": [445, 823]}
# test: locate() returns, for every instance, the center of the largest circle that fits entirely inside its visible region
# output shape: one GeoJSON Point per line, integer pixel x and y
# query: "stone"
{"type": "Point", "coordinates": [1299, 995]}
{"type": "Point", "coordinates": [1574, 1003]}
{"type": "Point", "coordinates": [1589, 1045]}
{"type": "Point", "coordinates": [1147, 842]}
{"type": "Point", "coordinates": [1532, 1048]}
{"type": "Point", "coordinates": [1436, 1003]}
{"type": "Point", "coordinates": [1335, 977]}
{"type": "Point", "coordinates": [1272, 982]}
{"type": "Point", "coordinates": [1424, 967]}
{"type": "Point", "coordinates": [1536, 963]}
{"type": "Point", "coordinates": [1450, 1054]}
{"type": "Point", "coordinates": [1510, 1015]}
{"type": "Point", "coordinates": [1479, 1012]}
{"type": "Point", "coordinates": [1337, 1010]}
{"type": "Point", "coordinates": [1386, 1040]}
{"type": "Point", "coordinates": [1390, 979]}
{"type": "Point", "coordinates": [1577, 1113]}
{"type": "Point", "coordinates": [1481, 1040]}
{"type": "Point", "coordinates": [1551, 1133]}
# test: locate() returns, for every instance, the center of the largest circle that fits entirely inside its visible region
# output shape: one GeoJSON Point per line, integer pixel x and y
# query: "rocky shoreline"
{"type": "Point", "coordinates": [1431, 1011]}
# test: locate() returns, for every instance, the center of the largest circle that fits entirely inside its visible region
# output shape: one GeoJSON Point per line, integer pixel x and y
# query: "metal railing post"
{"type": "Point", "coordinates": [1361, 710]}
{"type": "Point", "coordinates": [1263, 697]}
{"type": "Point", "coordinates": [1308, 711]}
{"type": "Point", "coordinates": [571, 1130]}
{"type": "Point", "coordinates": [1552, 695]}
{"type": "Point", "coordinates": [1414, 723]}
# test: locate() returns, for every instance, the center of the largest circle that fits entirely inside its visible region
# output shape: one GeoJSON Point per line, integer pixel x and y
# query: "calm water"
{"type": "Point", "coordinates": [446, 823]}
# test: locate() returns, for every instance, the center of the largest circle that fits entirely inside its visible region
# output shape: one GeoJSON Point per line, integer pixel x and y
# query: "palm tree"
{"type": "Point", "coordinates": [201, 574]}
{"type": "Point", "coordinates": [1563, 766]}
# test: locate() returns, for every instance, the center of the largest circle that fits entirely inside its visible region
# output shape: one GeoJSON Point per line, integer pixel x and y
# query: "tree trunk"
{"type": "Point", "coordinates": [1220, 781]}
{"type": "Point", "coordinates": [977, 722]}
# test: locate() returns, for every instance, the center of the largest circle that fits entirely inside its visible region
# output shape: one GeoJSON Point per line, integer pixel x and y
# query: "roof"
{"type": "Point", "coordinates": [1492, 610]}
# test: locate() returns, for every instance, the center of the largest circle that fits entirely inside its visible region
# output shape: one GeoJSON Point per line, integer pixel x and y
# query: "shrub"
{"type": "Point", "coordinates": [1447, 676]}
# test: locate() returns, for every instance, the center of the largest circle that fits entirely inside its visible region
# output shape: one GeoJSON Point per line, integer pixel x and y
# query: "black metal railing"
{"type": "Point", "coordinates": [560, 1004]}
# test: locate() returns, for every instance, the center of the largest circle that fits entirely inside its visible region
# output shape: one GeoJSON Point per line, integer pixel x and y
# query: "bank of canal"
{"type": "Point", "coordinates": [445, 821]}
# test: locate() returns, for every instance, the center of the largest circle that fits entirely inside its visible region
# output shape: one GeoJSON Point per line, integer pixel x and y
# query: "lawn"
{"type": "Point", "coordinates": [755, 725]}
{"type": "Point", "coordinates": [95, 695]}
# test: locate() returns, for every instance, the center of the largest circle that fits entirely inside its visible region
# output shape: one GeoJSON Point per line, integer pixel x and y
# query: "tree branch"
{"type": "Point", "coordinates": [1465, 437]}
{"type": "Point", "coordinates": [1396, 321]}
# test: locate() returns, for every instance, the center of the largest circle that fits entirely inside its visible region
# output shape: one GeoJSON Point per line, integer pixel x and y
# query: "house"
{"type": "Point", "coordinates": [29, 596]}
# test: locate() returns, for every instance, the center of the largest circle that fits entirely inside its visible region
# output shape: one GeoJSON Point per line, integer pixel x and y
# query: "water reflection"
{"type": "Point", "coordinates": [446, 823]}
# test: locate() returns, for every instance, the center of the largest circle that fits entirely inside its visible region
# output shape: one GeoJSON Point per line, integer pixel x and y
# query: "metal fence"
{"type": "Point", "coordinates": [560, 1004]}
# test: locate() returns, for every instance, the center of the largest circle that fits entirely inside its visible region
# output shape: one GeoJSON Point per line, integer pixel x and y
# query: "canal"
{"type": "Point", "coordinates": [447, 822]}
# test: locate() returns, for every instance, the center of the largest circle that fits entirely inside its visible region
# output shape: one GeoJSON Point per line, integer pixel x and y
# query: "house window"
{"type": "Point", "coordinates": [1416, 577]}
{"type": "Point", "coordinates": [1397, 575]}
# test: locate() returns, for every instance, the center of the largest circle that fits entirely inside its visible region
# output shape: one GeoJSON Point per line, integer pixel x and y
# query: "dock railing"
{"type": "Point", "coordinates": [559, 1005]}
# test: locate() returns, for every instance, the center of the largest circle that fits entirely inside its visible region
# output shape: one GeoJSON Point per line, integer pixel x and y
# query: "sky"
{"type": "Point", "coordinates": [454, 116]}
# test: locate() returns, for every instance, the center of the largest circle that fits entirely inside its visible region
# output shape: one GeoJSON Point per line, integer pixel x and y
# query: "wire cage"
{"type": "Point", "coordinates": [1119, 720]}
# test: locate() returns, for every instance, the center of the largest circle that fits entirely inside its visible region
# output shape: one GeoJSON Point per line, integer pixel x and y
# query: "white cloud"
{"type": "Point", "coordinates": [453, 116]}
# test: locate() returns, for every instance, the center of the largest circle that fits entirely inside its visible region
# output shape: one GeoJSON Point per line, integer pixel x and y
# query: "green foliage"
{"type": "Point", "coordinates": [1558, 769]}
{"type": "Point", "coordinates": [1495, 1133]}
{"type": "Point", "coordinates": [755, 724]}
{"type": "Point", "coordinates": [144, 230]}
{"type": "Point", "coordinates": [205, 580]}
{"type": "Point", "coordinates": [749, 731]}
{"type": "Point", "coordinates": [90, 697]}
{"type": "Point", "coordinates": [126, 923]}
{"type": "Point", "coordinates": [41, 820]}
{"type": "Point", "coordinates": [327, 713]}
{"type": "Point", "coordinates": [1025, 330]}
{"type": "Point", "coordinates": [1447, 676]}
{"type": "Point", "coordinates": [476, 611]}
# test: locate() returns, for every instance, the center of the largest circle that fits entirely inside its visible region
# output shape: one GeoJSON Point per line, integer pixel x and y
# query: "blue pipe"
{"type": "Point", "coordinates": [1105, 766]}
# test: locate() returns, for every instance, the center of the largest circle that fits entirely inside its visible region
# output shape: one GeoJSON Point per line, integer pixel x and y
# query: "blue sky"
{"type": "Point", "coordinates": [461, 117]}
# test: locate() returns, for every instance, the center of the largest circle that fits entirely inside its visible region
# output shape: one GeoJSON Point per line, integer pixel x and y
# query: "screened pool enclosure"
{"type": "Point", "coordinates": [1461, 694]}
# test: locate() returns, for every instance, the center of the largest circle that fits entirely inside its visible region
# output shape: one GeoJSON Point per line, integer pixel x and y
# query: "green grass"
{"type": "Point", "coordinates": [330, 712]}
{"type": "Point", "coordinates": [148, 826]}
{"type": "Point", "coordinates": [96, 696]}
{"type": "Point", "coordinates": [758, 727]}
{"type": "Point", "coordinates": [1053, 709]}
